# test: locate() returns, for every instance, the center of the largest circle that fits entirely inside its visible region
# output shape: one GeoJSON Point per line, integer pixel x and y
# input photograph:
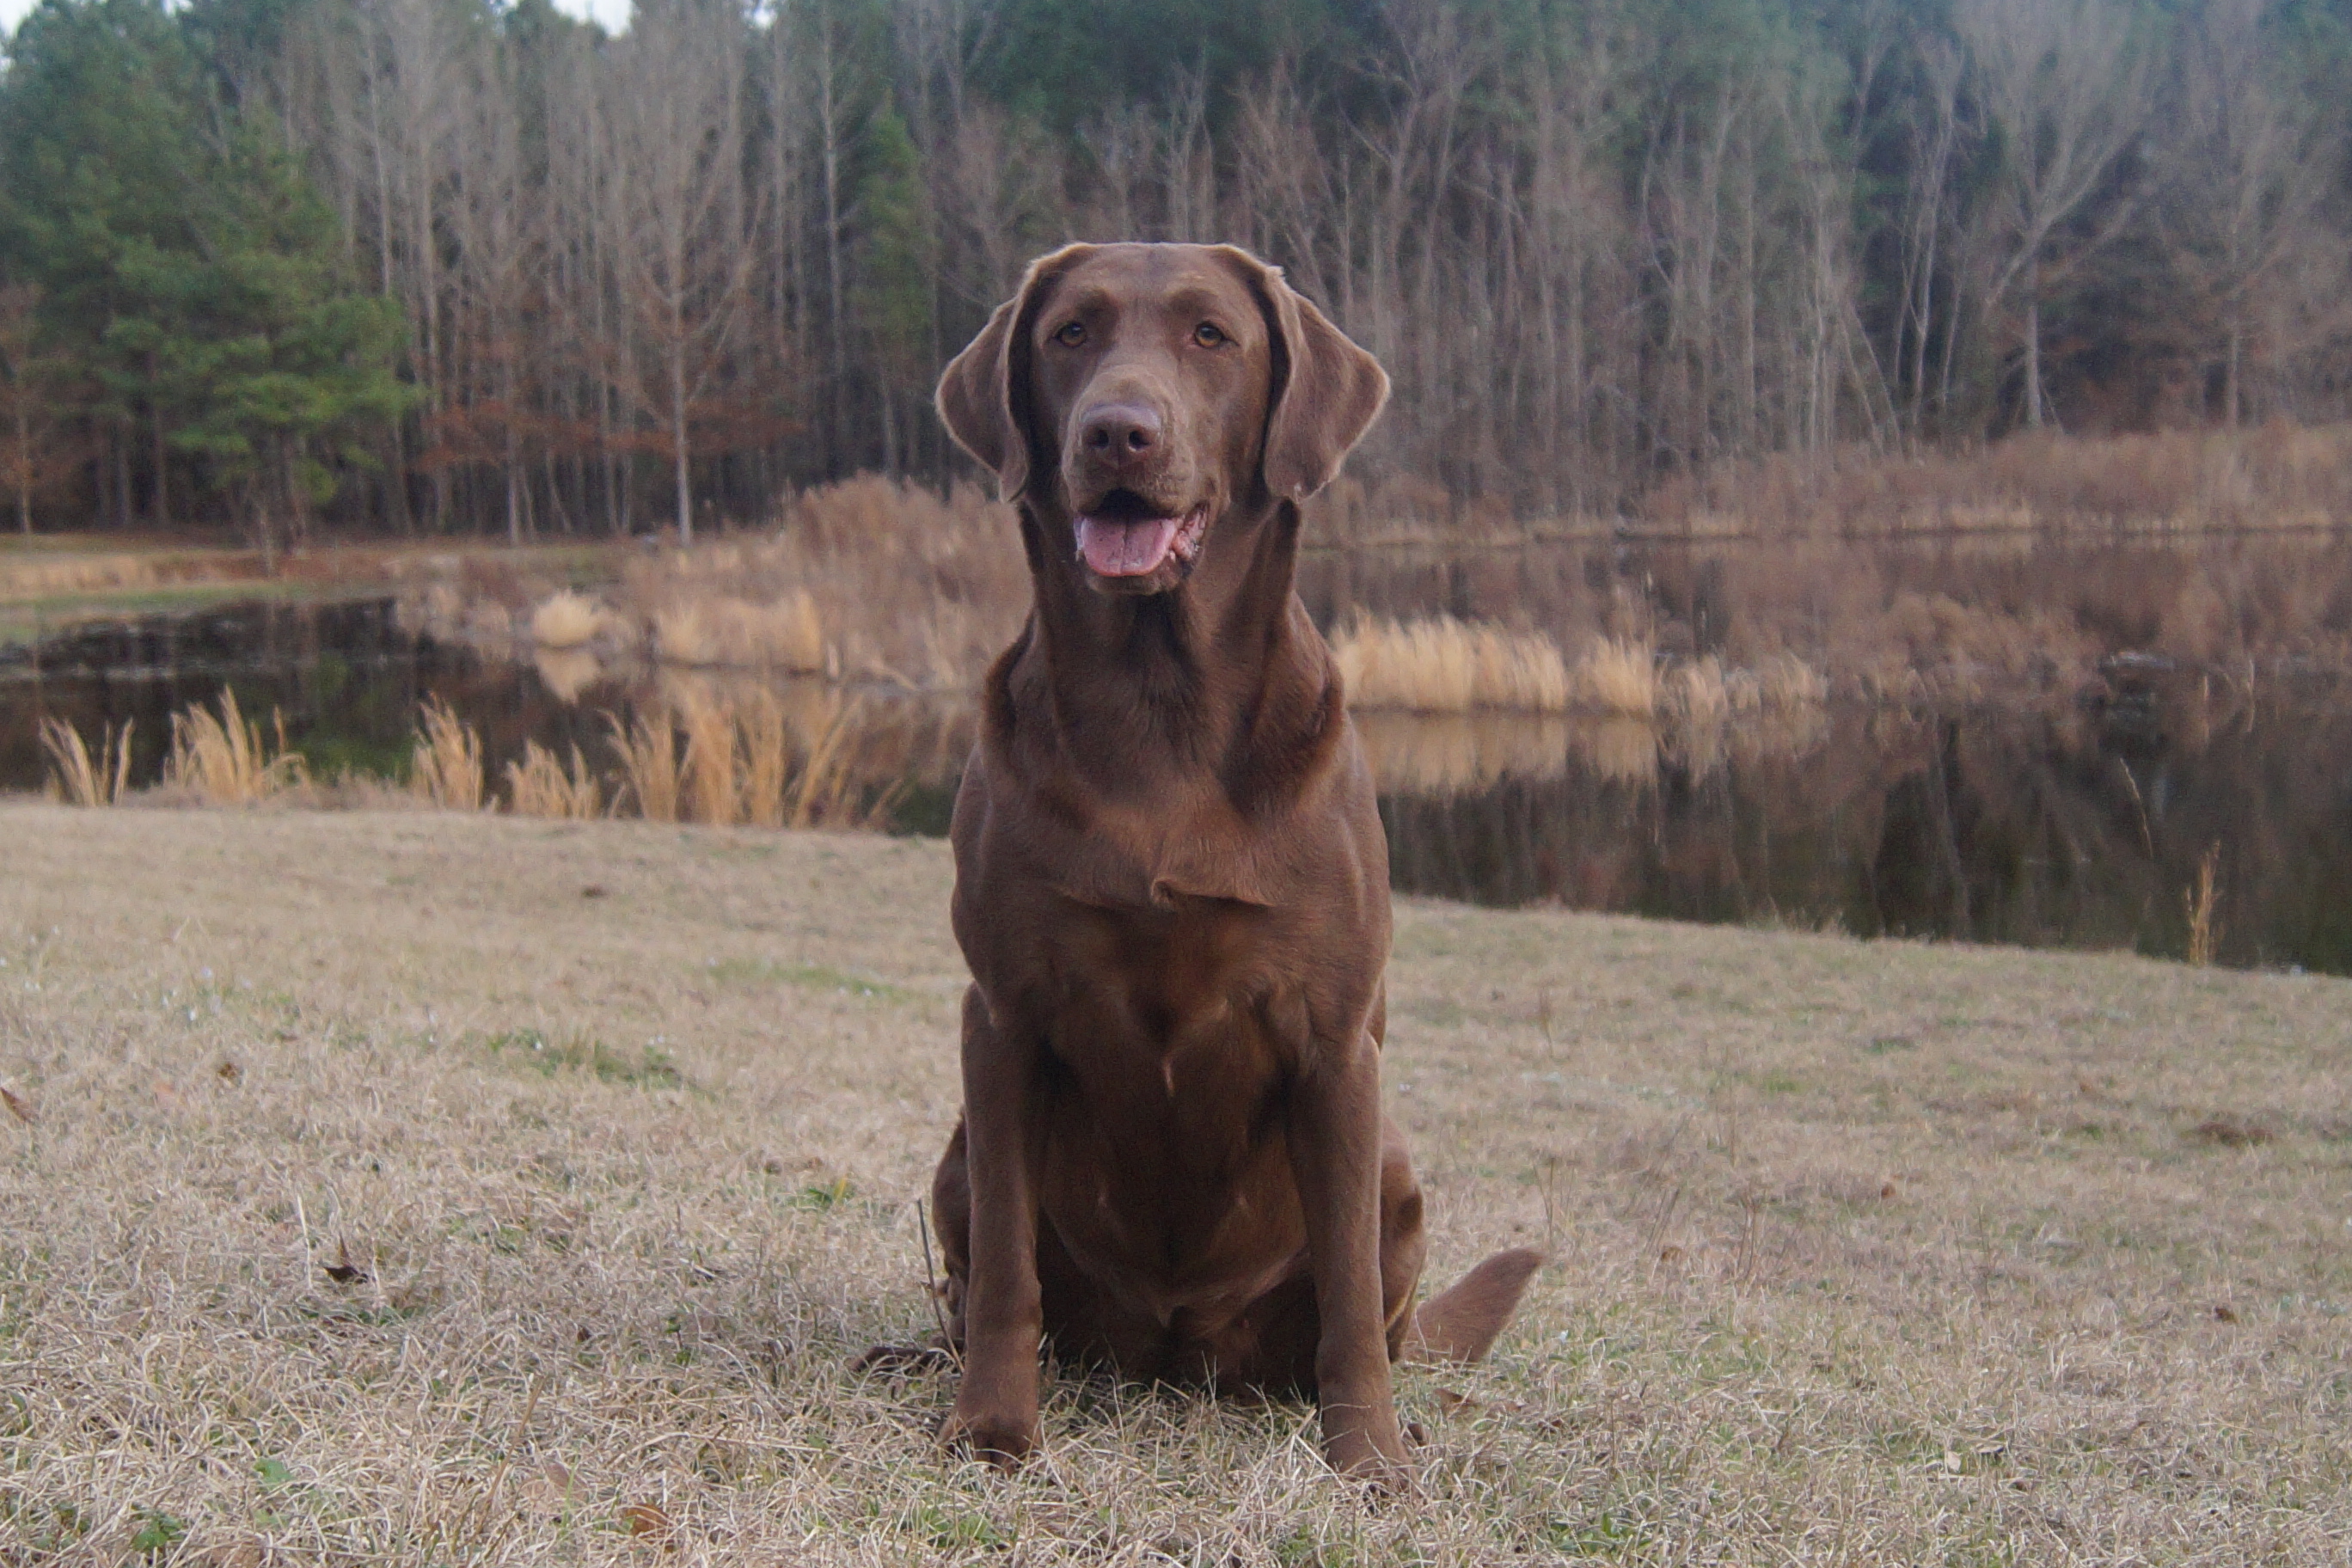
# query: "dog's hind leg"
{"type": "Point", "coordinates": [1461, 1325]}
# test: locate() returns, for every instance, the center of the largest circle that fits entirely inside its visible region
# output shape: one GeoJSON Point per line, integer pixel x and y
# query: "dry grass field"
{"type": "Point", "coordinates": [405, 1188]}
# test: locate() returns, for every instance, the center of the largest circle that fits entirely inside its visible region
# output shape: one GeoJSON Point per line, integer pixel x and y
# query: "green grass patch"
{"type": "Point", "coordinates": [650, 1068]}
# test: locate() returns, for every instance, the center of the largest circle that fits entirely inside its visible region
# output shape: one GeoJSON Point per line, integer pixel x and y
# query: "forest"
{"type": "Point", "coordinates": [292, 268]}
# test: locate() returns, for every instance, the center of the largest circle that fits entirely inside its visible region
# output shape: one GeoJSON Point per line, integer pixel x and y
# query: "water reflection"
{"type": "Point", "coordinates": [2078, 823]}
{"type": "Point", "coordinates": [2073, 820]}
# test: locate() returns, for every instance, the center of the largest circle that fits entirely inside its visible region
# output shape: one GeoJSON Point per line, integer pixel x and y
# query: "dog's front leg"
{"type": "Point", "coordinates": [1334, 1133]}
{"type": "Point", "coordinates": [996, 1406]}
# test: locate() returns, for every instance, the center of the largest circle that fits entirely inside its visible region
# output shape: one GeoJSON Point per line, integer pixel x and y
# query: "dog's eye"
{"type": "Point", "coordinates": [1208, 335]}
{"type": "Point", "coordinates": [1071, 336]}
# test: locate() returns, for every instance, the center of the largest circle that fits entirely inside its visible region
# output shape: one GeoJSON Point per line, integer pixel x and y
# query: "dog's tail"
{"type": "Point", "coordinates": [1460, 1325]}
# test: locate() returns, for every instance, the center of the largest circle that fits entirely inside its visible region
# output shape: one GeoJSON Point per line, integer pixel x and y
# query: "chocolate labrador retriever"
{"type": "Point", "coordinates": [1170, 882]}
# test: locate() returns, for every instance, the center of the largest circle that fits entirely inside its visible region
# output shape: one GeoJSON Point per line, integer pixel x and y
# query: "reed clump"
{"type": "Point", "coordinates": [2200, 905]}
{"type": "Point", "coordinates": [222, 760]}
{"type": "Point", "coordinates": [647, 744]}
{"type": "Point", "coordinates": [1620, 676]}
{"type": "Point", "coordinates": [753, 758]}
{"type": "Point", "coordinates": [786, 635]}
{"type": "Point", "coordinates": [78, 778]}
{"type": "Point", "coordinates": [540, 785]}
{"type": "Point", "coordinates": [445, 761]}
{"type": "Point", "coordinates": [566, 620]}
{"type": "Point", "coordinates": [1441, 664]}
{"type": "Point", "coordinates": [870, 579]}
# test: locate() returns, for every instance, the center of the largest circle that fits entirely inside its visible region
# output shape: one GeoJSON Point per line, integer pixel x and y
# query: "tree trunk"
{"type": "Point", "coordinates": [678, 437]}
{"type": "Point", "coordinates": [829, 122]}
{"type": "Point", "coordinates": [161, 507]}
{"type": "Point", "coordinates": [121, 477]}
{"type": "Point", "coordinates": [24, 465]}
{"type": "Point", "coordinates": [2032, 345]}
{"type": "Point", "coordinates": [2230, 378]}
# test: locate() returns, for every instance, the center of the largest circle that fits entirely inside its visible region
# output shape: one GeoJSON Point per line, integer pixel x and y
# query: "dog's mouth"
{"type": "Point", "coordinates": [1126, 535]}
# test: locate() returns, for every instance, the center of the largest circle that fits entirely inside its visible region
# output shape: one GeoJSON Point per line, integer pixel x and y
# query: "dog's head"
{"type": "Point", "coordinates": [1138, 394]}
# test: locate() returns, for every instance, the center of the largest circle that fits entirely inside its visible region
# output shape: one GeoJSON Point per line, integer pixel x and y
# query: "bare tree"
{"type": "Point", "coordinates": [495, 219]}
{"type": "Point", "coordinates": [684, 247]}
{"type": "Point", "coordinates": [2064, 84]}
{"type": "Point", "coordinates": [1937, 135]}
{"type": "Point", "coordinates": [2249, 168]}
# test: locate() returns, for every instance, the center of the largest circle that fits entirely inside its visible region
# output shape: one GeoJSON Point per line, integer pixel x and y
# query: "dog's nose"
{"type": "Point", "coordinates": [1121, 432]}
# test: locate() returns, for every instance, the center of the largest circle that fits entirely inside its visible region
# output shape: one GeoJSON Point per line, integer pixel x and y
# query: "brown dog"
{"type": "Point", "coordinates": [1171, 885]}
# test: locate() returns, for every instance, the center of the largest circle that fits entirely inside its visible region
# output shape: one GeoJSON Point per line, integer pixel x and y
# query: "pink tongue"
{"type": "Point", "coordinates": [1126, 549]}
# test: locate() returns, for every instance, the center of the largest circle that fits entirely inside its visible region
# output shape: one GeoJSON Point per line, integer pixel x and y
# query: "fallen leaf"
{"type": "Point", "coordinates": [650, 1524]}
{"type": "Point", "coordinates": [550, 1490]}
{"type": "Point", "coordinates": [18, 1106]}
{"type": "Point", "coordinates": [342, 1270]}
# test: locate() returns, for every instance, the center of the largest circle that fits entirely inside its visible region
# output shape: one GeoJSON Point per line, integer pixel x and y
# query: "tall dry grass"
{"type": "Point", "coordinates": [1441, 664]}
{"type": "Point", "coordinates": [712, 772]}
{"type": "Point", "coordinates": [539, 786]}
{"type": "Point", "coordinates": [647, 744]}
{"type": "Point", "coordinates": [1617, 675]}
{"type": "Point", "coordinates": [2154, 485]}
{"type": "Point", "coordinates": [871, 578]}
{"type": "Point", "coordinates": [786, 635]}
{"type": "Point", "coordinates": [221, 758]}
{"type": "Point", "coordinates": [445, 761]}
{"type": "Point", "coordinates": [2201, 906]}
{"type": "Point", "coordinates": [80, 779]}
{"type": "Point", "coordinates": [748, 757]}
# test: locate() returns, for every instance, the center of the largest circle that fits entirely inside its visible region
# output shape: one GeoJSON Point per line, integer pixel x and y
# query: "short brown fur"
{"type": "Point", "coordinates": [1171, 885]}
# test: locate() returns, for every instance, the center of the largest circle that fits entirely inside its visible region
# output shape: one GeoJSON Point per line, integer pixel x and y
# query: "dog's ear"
{"type": "Point", "coordinates": [983, 397]}
{"type": "Point", "coordinates": [1327, 391]}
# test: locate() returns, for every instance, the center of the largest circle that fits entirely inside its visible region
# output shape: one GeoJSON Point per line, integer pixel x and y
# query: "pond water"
{"type": "Point", "coordinates": [2075, 822]}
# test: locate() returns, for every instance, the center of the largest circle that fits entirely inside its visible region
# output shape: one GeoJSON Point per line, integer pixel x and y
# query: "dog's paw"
{"type": "Point", "coordinates": [1381, 1475]}
{"type": "Point", "coordinates": [1003, 1440]}
{"type": "Point", "coordinates": [1381, 1467]}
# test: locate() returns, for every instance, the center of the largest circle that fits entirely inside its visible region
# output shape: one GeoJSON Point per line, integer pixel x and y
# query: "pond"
{"type": "Point", "coordinates": [2081, 821]}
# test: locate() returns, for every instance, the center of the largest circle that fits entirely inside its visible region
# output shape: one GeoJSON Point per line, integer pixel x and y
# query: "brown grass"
{"type": "Point", "coordinates": [77, 779]}
{"type": "Point", "coordinates": [222, 760]}
{"type": "Point", "coordinates": [432, 1210]}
